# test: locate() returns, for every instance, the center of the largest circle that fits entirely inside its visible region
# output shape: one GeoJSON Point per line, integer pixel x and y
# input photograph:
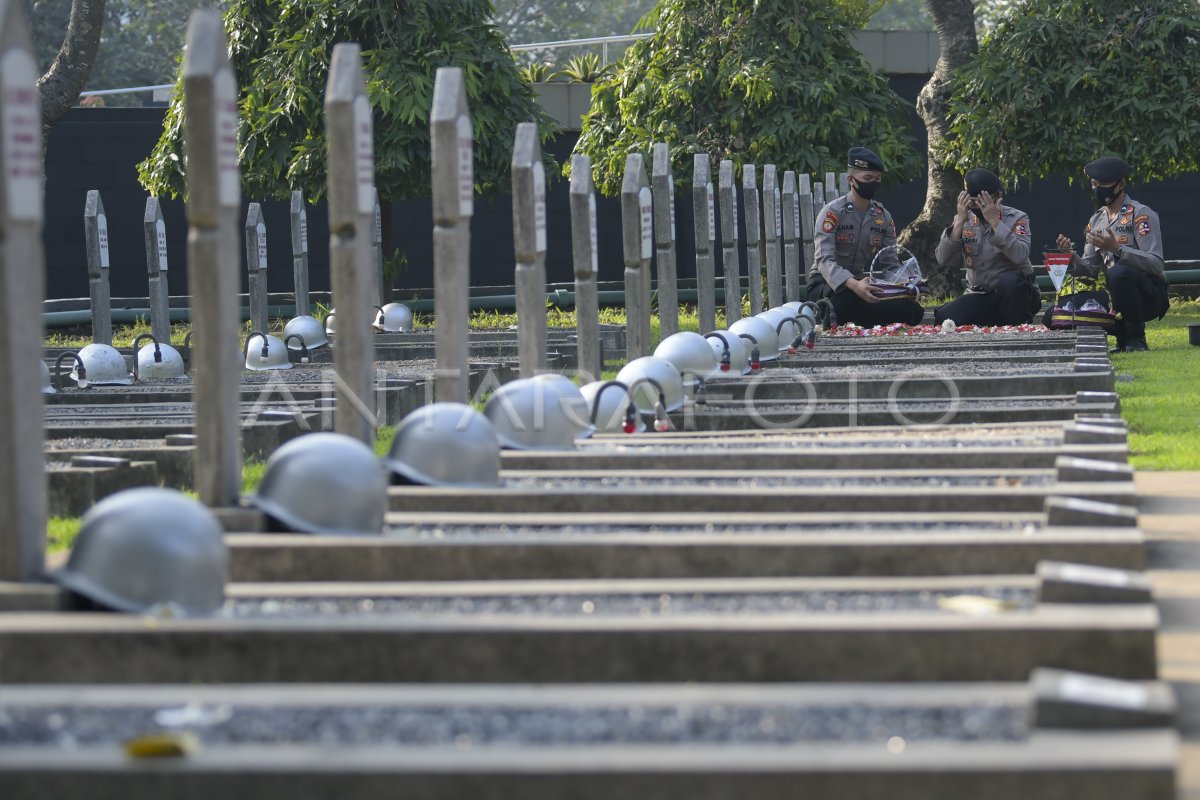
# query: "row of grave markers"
{"type": "Point", "coordinates": [96, 237]}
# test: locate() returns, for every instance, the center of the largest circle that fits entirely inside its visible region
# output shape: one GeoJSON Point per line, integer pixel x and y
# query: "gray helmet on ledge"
{"type": "Point", "coordinates": [168, 365]}
{"type": "Point", "coordinates": [309, 329]}
{"type": "Point", "coordinates": [644, 392]}
{"type": "Point", "coordinates": [331, 321]}
{"type": "Point", "coordinates": [104, 365]}
{"type": "Point", "coordinates": [446, 444]}
{"type": "Point", "coordinates": [264, 352]}
{"type": "Point", "coordinates": [47, 386]}
{"type": "Point", "coordinates": [781, 321]}
{"type": "Point", "coordinates": [690, 354]}
{"type": "Point", "coordinates": [149, 550]}
{"type": "Point", "coordinates": [324, 483]}
{"type": "Point", "coordinates": [394, 318]}
{"type": "Point", "coordinates": [545, 412]}
{"type": "Point", "coordinates": [739, 351]}
{"type": "Point", "coordinates": [613, 403]}
{"type": "Point", "coordinates": [763, 332]}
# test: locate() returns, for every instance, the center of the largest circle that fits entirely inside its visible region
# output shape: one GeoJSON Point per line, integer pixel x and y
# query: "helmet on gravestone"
{"type": "Point", "coordinates": [690, 354]}
{"type": "Point", "coordinates": [781, 322]}
{"type": "Point", "coordinates": [149, 550]}
{"type": "Point", "coordinates": [104, 365]}
{"type": "Point", "coordinates": [763, 332]}
{"type": "Point", "coordinates": [170, 363]}
{"type": "Point", "coordinates": [264, 352]}
{"type": "Point", "coordinates": [546, 412]}
{"type": "Point", "coordinates": [610, 415]}
{"type": "Point", "coordinates": [645, 394]}
{"type": "Point", "coordinates": [331, 321]}
{"type": "Point", "coordinates": [739, 352]}
{"type": "Point", "coordinates": [394, 318]}
{"type": "Point", "coordinates": [324, 483]}
{"type": "Point", "coordinates": [446, 444]}
{"type": "Point", "coordinates": [309, 329]}
{"type": "Point", "coordinates": [47, 387]}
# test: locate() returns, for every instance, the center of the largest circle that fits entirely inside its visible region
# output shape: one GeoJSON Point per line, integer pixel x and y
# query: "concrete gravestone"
{"type": "Point", "coordinates": [750, 211]}
{"type": "Point", "coordinates": [704, 214]}
{"type": "Point", "coordinates": [299, 219]}
{"type": "Point", "coordinates": [350, 140]}
{"type": "Point", "coordinates": [831, 187]}
{"type": "Point", "coordinates": [214, 195]}
{"type": "Point", "coordinates": [772, 229]}
{"type": "Point", "coordinates": [95, 232]}
{"type": "Point", "coordinates": [379, 291]}
{"type": "Point", "coordinates": [529, 237]}
{"type": "Point", "coordinates": [790, 212]}
{"type": "Point", "coordinates": [453, 204]}
{"type": "Point", "coordinates": [808, 218]}
{"type": "Point", "coordinates": [637, 246]}
{"type": "Point", "coordinates": [156, 265]}
{"type": "Point", "coordinates": [586, 257]}
{"type": "Point", "coordinates": [729, 244]}
{"type": "Point", "coordinates": [256, 266]}
{"type": "Point", "coordinates": [664, 241]}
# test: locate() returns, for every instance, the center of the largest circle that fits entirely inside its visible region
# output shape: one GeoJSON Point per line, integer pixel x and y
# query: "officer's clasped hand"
{"type": "Point", "coordinates": [1103, 240]}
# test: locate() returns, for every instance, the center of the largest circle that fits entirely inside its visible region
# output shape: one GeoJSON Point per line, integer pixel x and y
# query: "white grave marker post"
{"type": "Point", "coordinates": [844, 183]}
{"type": "Point", "coordinates": [95, 234]}
{"type": "Point", "coordinates": [156, 264]}
{"type": "Point", "coordinates": [730, 260]}
{"type": "Point", "coordinates": [22, 289]}
{"type": "Point", "coordinates": [379, 286]}
{"type": "Point", "coordinates": [214, 196]}
{"type": "Point", "coordinates": [351, 160]}
{"type": "Point", "coordinates": [790, 212]}
{"type": "Point", "coordinates": [299, 219]}
{"type": "Point", "coordinates": [663, 183]}
{"type": "Point", "coordinates": [529, 239]}
{"type": "Point", "coordinates": [637, 246]}
{"type": "Point", "coordinates": [586, 258]}
{"type": "Point", "coordinates": [750, 209]}
{"type": "Point", "coordinates": [808, 217]}
{"type": "Point", "coordinates": [831, 187]}
{"type": "Point", "coordinates": [453, 204]}
{"type": "Point", "coordinates": [704, 228]}
{"type": "Point", "coordinates": [256, 266]}
{"type": "Point", "coordinates": [772, 228]}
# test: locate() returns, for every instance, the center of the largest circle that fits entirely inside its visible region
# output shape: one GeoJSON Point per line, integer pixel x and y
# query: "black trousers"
{"type": "Point", "coordinates": [1138, 297]}
{"type": "Point", "coordinates": [1012, 301]}
{"type": "Point", "coordinates": [849, 307]}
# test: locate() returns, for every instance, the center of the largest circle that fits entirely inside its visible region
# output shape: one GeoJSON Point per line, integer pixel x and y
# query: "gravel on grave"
{"type": "Point", "coordinates": [921, 353]}
{"type": "Point", "coordinates": [794, 366]}
{"type": "Point", "coordinates": [932, 406]}
{"type": "Point", "coordinates": [492, 530]}
{"type": "Point", "coordinates": [95, 443]}
{"type": "Point", "coordinates": [694, 479]}
{"type": "Point", "coordinates": [481, 725]}
{"type": "Point", "coordinates": [908, 438]}
{"type": "Point", "coordinates": [615, 606]}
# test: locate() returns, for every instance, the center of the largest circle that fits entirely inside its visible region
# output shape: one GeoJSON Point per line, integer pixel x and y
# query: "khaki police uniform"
{"type": "Point", "coordinates": [1138, 234]}
{"type": "Point", "coordinates": [986, 253]}
{"type": "Point", "coordinates": [846, 240]}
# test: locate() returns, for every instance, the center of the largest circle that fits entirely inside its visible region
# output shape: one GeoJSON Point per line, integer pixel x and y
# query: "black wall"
{"type": "Point", "coordinates": [99, 148]}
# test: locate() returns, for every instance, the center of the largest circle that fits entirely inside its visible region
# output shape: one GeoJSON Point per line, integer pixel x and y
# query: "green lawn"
{"type": "Point", "coordinates": [1162, 401]}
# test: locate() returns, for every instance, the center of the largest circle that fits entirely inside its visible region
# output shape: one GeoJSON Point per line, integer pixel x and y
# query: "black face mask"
{"type": "Point", "coordinates": [866, 189]}
{"type": "Point", "coordinates": [1103, 195]}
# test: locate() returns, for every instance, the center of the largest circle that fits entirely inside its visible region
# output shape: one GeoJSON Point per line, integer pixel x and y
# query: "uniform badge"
{"type": "Point", "coordinates": [1142, 218]}
{"type": "Point", "coordinates": [970, 261]}
{"type": "Point", "coordinates": [1143, 227]}
{"type": "Point", "coordinates": [1122, 240]}
{"type": "Point", "coordinates": [879, 220]}
{"type": "Point", "coordinates": [845, 237]}
{"type": "Point", "coordinates": [968, 233]}
{"type": "Point", "coordinates": [1124, 220]}
{"type": "Point", "coordinates": [968, 249]}
{"type": "Point", "coordinates": [1022, 228]}
{"type": "Point", "coordinates": [830, 222]}
{"type": "Point", "coordinates": [876, 242]}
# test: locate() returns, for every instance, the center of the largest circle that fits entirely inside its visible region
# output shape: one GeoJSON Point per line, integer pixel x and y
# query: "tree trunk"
{"type": "Point", "coordinates": [955, 23]}
{"type": "Point", "coordinates": [62, 83]}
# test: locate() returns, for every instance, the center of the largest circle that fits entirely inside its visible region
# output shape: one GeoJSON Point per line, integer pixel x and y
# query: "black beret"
{"type": "Point", "coordinates": [1107, 170]}
{"type": "Point", "coordinates": [982, 180]}
{"type": "Point", "coordinates": [862, 158]}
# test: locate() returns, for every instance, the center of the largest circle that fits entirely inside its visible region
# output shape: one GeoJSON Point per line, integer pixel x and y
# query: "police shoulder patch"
{"type": "Point", "coordinates": [1143, 228]}
{"type": "Point", "coordinates": [830, 223]}
{"type": "Point", "coordinates": [1142, 218]}
{"type": "Point", "coordinates": [1022, 227]}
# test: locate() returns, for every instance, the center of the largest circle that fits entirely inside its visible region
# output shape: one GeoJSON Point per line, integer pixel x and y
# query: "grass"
{"type": "Point", "coordinates": [1162, 401]}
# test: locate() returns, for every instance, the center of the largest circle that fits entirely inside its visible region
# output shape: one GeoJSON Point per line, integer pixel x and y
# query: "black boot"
{"type": "Point", "coordinates": [1137, 344]}
{"type": "Point", "coordinates": [1121, 343]}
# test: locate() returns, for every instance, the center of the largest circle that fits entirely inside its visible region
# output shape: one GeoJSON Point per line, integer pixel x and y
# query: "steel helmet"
{"type": "Point", "coordinates": [159, 361]}
{"type": "Point", "coordinates": [546, 412]}
{"type": "Point", "coordinates": [645, 394]}
{"type": "Point", "coordinates": [739, 351]}
{"type": "Point", "coordinates": [331, 321]}
{"type": "Point", "coordinates": [690, 354]}
{"type": "Point", "coordinates": [149, 549]}
{"type": "Point", "coordinates": [324, 483]}
{"type": "Point", "coordinates": [47, 387]}
{"type": "Point", "coordinates": [446, 444]}
{"type": "Point", "coordinates": [394, 318]}
{"type": "Point", "coordinates": [309, 329]}
{"type": "Point", "coordinates": [782, 323]}
{"type": "Point", "coordinates": [264, 352]}
{"type": "Point", "coordinates": [761, 330]}
{"type": "Point", "coordinates": [104, 365]}
{"type": "Point", "coordinates": [609, 407]}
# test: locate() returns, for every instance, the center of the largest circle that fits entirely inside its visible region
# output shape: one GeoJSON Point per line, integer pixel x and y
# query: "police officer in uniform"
{"type": "Point", "coordinates": [1124, 245]}
{"type": "Point", "coordinates": [991, 240]}
{"type": "Point", "coordinates": [849, 232]}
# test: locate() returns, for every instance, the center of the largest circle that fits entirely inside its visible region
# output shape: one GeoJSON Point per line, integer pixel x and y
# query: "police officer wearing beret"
{"type": "Point", "coordinates": [1124, 243]}
{"type": "Point", "coordinates": [991, 240]}
{"type": "Point", "coordinates": [849, 232]}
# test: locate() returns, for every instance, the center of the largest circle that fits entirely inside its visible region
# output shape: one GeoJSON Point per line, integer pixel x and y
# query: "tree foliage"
{"type": "Point", "coordinates": [281, 51]}
{"type": "Point", "coordinates": [755, 81]}
{"type": "Point", "coordinates": [1059, 82]}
